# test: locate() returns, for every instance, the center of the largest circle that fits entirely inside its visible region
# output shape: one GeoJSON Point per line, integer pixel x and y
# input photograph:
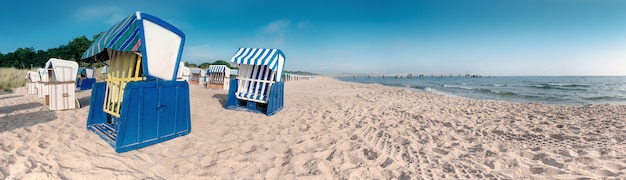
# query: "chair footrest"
{"type": "Point", "coordinates": [105, 131]}
{"type": "Point", "coordinates": [249, 105]}
{"type": "Point", "coordinates": [252, 97]}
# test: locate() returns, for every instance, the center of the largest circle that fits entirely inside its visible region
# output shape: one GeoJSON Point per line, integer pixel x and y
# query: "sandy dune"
{"type": "Point", "coordinates": [328, 130]}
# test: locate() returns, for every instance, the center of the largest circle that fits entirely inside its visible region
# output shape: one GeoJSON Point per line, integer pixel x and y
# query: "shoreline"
{"type": "Point", "coordinates": [518, 89]}
{"type": "Point", "coordinates": [329, 129]}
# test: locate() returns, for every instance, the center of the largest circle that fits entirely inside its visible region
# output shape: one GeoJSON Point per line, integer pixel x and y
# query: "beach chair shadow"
{"type": "Point", "coordinates": [11, 122]}
{"type": "Point", "coordinates": [84, 101]}
{"type": "Point", "coordinates": [221, 98]}
{"type": "Point", "coordinates": [19, 107]}
{"type": "Point", "coordinates": [9, 97]}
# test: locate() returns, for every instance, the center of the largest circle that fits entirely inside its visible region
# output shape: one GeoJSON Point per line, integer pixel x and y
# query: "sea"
{"type": "Point", "coordinates": [568, 90]}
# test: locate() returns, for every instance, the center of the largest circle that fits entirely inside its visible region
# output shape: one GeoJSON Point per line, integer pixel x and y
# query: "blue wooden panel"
{"type": "Point", "coordinates": [183, 110]}
{"type": "Point", "coordinates": [167, 111]}
{"type": "Point", "coordinates": [85, 84]}
{"type": "Point", "coordinates": [149, 114]}
{"type": "Point", "coordinates": [96, 101]}
{"type": "Point", "coordinates": [128, 129]}
{"type": "Point", "coordinates": [152, 112]}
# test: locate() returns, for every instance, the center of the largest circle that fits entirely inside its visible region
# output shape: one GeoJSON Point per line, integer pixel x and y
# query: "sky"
{"type": "Point", "coordinates": [487, 37]}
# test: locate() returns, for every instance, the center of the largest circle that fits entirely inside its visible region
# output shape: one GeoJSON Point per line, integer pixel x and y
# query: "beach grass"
{"type": "Point", "coordinates": [98, 75]}
{"type": "Point", "coordinates": [11, 78]}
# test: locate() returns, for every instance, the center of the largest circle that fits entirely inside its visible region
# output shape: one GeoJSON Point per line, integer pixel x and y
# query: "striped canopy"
{"type": "Point", "coordinates": [159, 44]}
{"type": "Point", "coordinates": [272, 58]}
{"type": "Point", "coordinates": [217, 68]}
{"type": "Point", "coordinates": [123, 36]}
{"type": "Point", "coordinates": [195, 70]}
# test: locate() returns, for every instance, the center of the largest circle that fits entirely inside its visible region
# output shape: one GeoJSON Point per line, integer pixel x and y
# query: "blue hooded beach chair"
{"type": "Point", "coordinates": [140, 103]}
{"type": "Point", "coordinates": [86, 79]}
{"type": "Point", "coordinates": [258, 87]}
{"type": "Point", "coordinates": [218, 77]}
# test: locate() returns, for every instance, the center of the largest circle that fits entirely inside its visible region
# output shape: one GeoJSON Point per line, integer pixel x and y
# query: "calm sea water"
{"type": "Point", "coordinates": [544, 89]}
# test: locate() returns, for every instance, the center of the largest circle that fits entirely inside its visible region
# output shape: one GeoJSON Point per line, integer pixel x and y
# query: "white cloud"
{"type": "Point", "coordinates": [272, 35]}
{"type": "Point", "coordinates": [304, 24]}
{"type": "Point", "coordinates": [108, 14]}
{"type": "Point", "coordinates": [277, 26]}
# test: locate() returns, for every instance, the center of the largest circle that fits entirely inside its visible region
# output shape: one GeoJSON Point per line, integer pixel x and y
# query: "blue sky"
{"type": "Point", "coordinates": [489, 37]}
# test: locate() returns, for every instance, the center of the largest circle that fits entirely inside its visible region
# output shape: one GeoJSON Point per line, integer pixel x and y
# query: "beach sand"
{"type": "Point", "coordinates": [328, 130]}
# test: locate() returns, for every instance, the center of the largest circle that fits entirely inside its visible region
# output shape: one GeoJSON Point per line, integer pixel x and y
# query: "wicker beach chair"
{"type": "Point", "coordinates": [218, 77]}
{"type": "Point", "coordinates": [140, 103]}
{"type": "Point", "coordinates": [86, 79]}
{"type": "Point", "coordinates": [31, 83]}
{"type": "Point", "coordinates": [258, 87]}
{"type": "Point", "coordinates": [42, 87]}
{"type": "Point", "coordinates": [196, 73]}
{"type": "Point", "coordinates": [61, 75]}
{"type": "Point", "coordinates": [183, 73]}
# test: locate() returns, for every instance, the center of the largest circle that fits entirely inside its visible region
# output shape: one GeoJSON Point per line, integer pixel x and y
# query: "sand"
{"type": "Point", "coordinates": [328, 130]}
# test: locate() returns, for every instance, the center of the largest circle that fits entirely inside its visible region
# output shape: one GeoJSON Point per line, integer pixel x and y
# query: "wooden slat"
{"type": "Point", "coordinates": [125, 67]}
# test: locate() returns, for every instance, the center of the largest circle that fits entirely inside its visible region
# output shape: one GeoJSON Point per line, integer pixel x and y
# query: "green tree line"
{"type": "Point", "coordinates": [28, 57]}
{"type": "Point", "coordinates": [206, 64]}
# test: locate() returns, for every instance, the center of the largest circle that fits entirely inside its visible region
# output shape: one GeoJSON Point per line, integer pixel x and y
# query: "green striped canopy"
{"type": "Point", "coordinates": [123, 36]}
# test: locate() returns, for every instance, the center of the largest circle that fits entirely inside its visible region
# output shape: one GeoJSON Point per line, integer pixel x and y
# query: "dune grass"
{"type": "Point", "coordinates": [98, 75]}
{"type": "Point", "coordinates": [12, 78]}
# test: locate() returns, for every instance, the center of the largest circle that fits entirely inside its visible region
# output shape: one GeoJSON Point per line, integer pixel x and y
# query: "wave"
{"type": "Point", "coordinates": [499, 85]}
{"type": "Point", "coordinates": [598, 98]}
{"type": "Point", "coordinates": [547, 99]}
{"type": "Point", "coordinates": [548, 86]}
{"type": "Point", "coordinates": [459, 87]}
{"type": "Point", "coordinates": [497, 92]}
{"type": "Point", "coordinates": [569, 85]}
{"type": "Point", "coordinates": [605, 98]}
{"type": "Point", "coordinates": [434, 91]}
{"type": "Point", "coordinates": [416, 87]}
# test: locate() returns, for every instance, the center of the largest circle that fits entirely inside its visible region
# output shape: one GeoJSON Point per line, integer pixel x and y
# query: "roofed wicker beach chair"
{"type": "Point", "coordinates": [86, 79]}
{"type": "Point", "coordinates": [183, 73]}
{"type": "Point", "coordinates": [42, 87]}
{"type": "Point", "coordinates": [61, 75]}
{"type": "Point", "coordinates": [194, 78]}
{"type": "Point", "coordinates": [140, 103]}
{"type": "Point", "coordinates": [218, 77]}
{"type": "Point", "coordinates": [31, 83]}
{"type": "Point", "coordinates": [258, 87]}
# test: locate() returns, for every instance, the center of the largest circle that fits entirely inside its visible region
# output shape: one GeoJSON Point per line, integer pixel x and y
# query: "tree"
{"type": "Point", "coordinates": [27, 57]}
{"type": "Point", "coordinates": [96, 36]}
{"type": "Point", "coordinates": [187, 64]}
{"type": "Point", "coordinates": [204, 65]}
{"type": "Point", "coordinates": [222, 62]}
{"type": "Point", "coordinates": [21, 58]}
{"type": "Point", "coordinates": [2, 60]}
{"type": "Point", "coordinates": [77, 47]}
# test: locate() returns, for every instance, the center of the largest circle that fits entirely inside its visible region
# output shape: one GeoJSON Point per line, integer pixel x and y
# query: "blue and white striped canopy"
{"type": "Point", "coordinates": [217, 68]}
{"type": "Point", "coordinates": [195, 70]}
{"type": "Point", "coordinates": [259, 56]}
